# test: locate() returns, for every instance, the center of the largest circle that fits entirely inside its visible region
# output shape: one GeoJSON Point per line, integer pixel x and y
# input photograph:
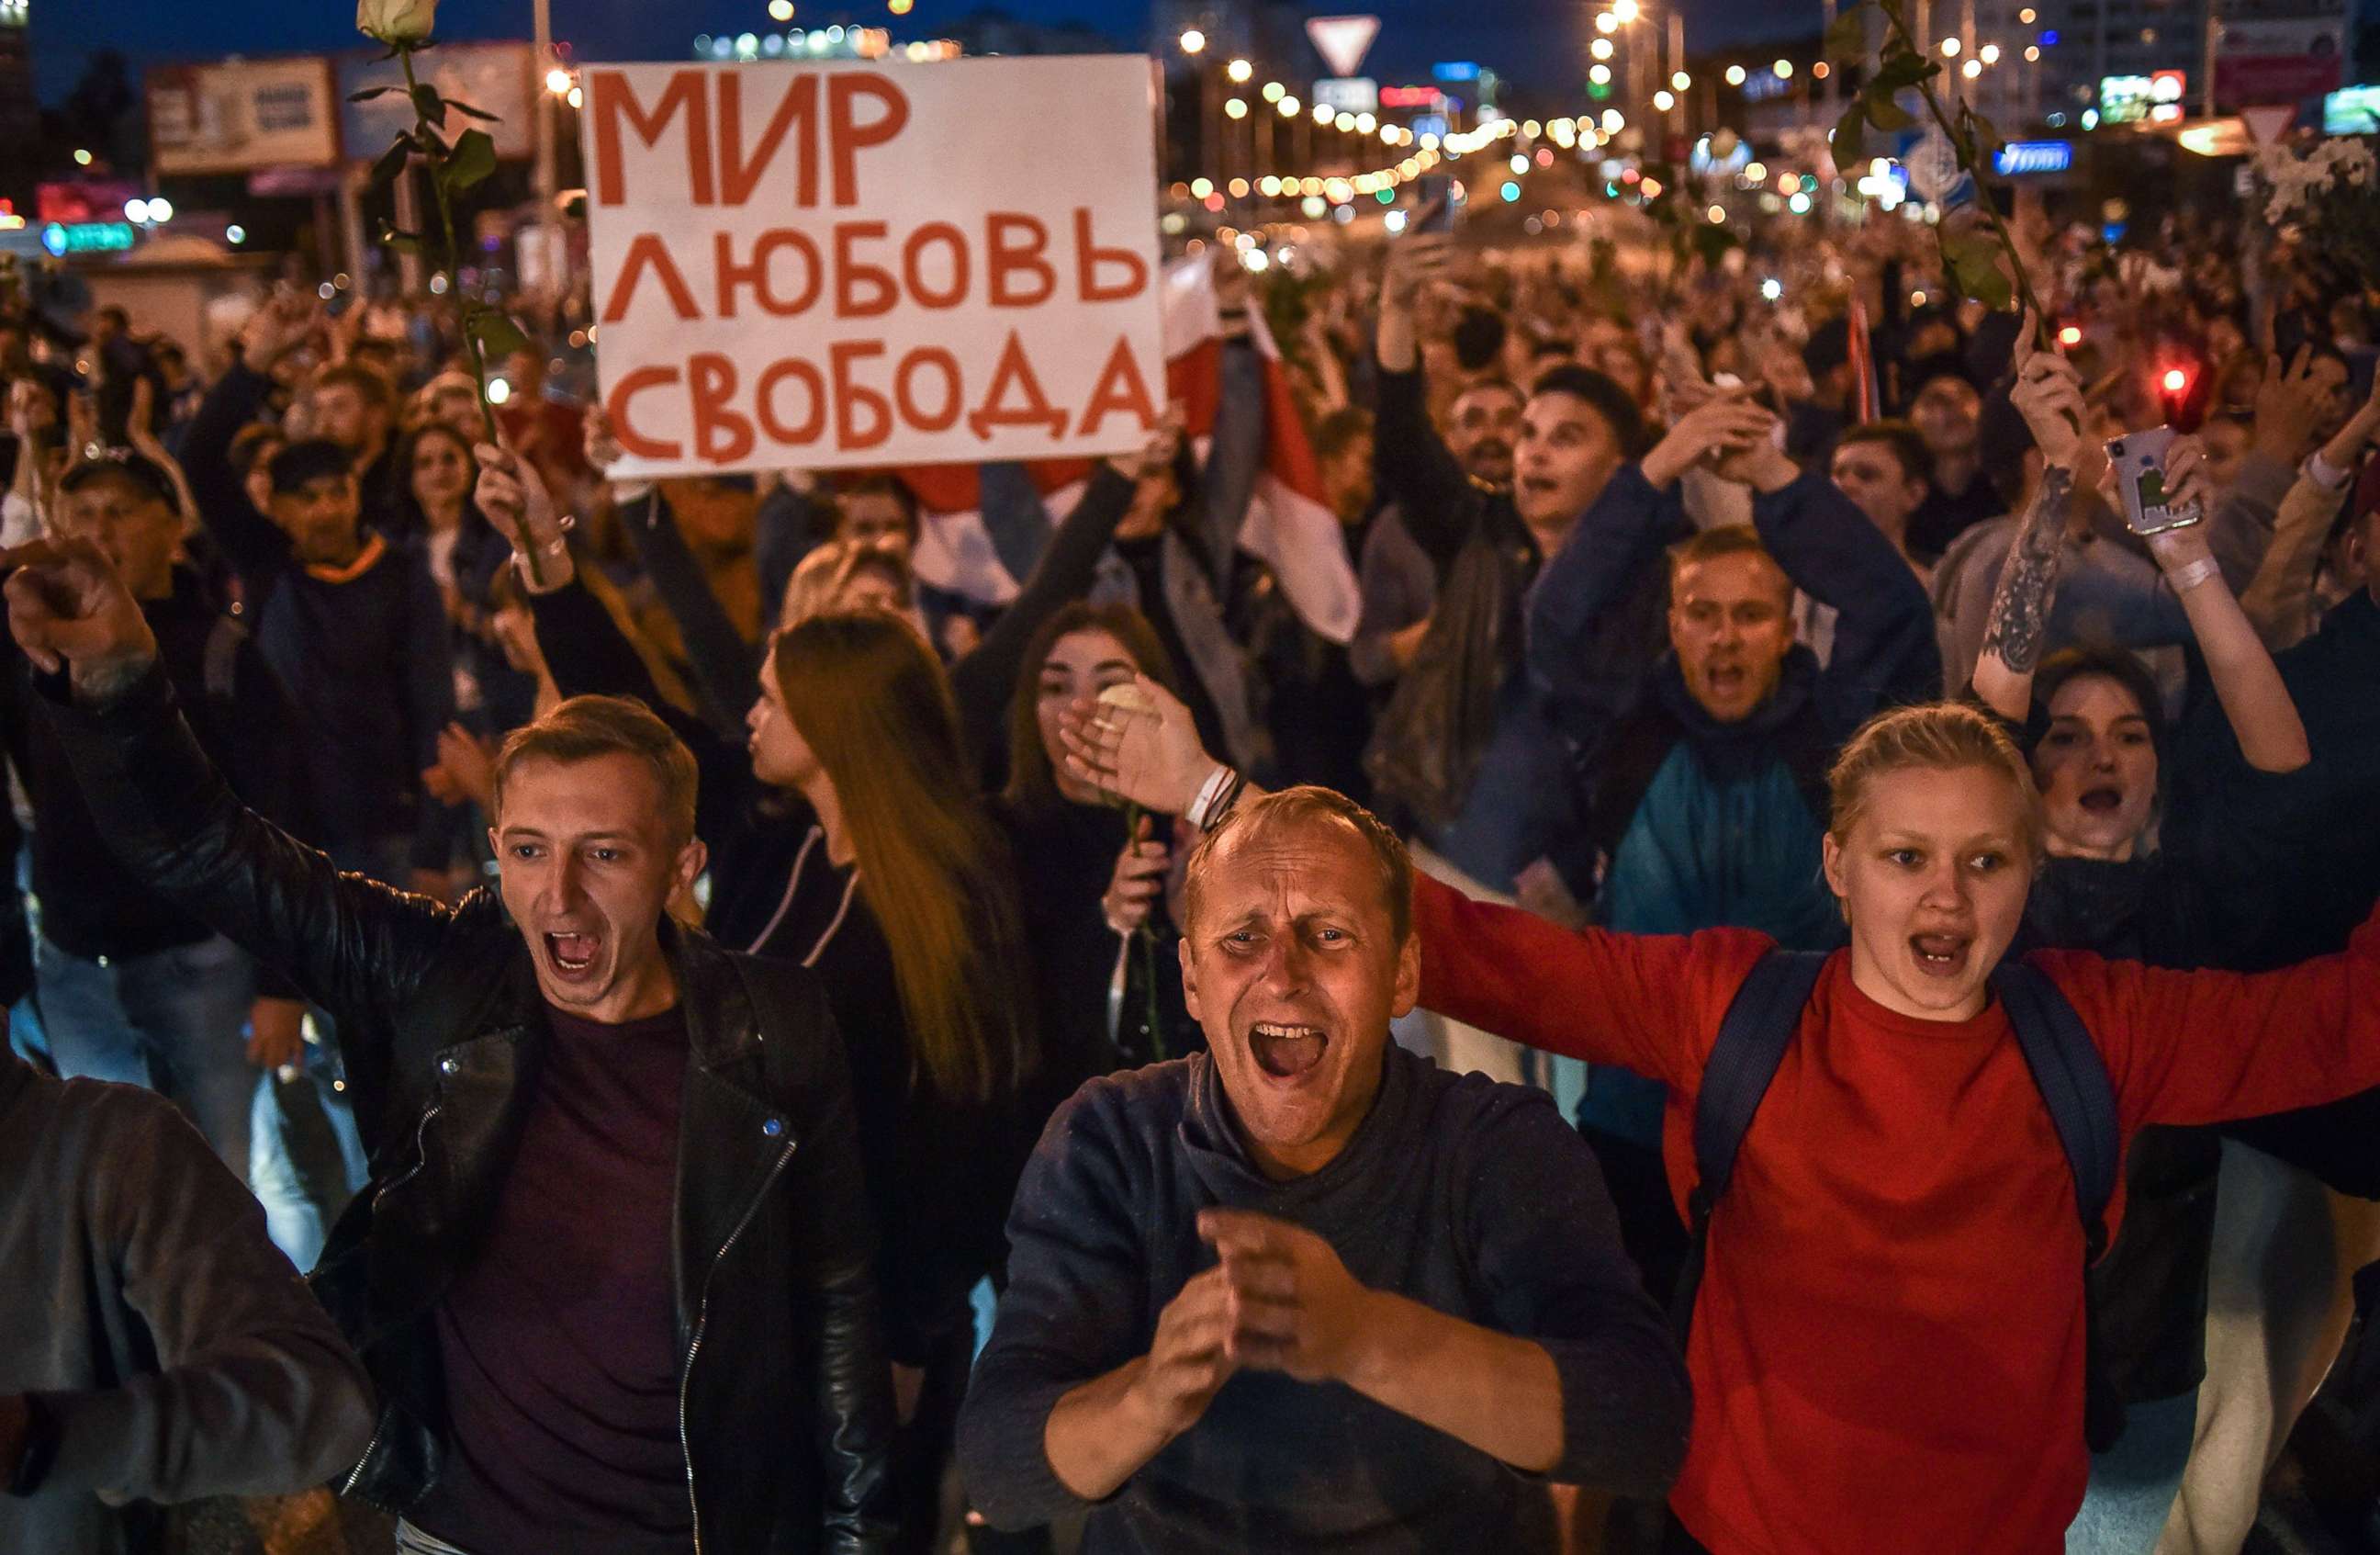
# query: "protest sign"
{"type": "Point", "coordinates": [832, 264]}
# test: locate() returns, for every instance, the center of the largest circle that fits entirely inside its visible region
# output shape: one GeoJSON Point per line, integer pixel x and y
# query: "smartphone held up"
{"type": "Point", "coordinates": [2138, 460]}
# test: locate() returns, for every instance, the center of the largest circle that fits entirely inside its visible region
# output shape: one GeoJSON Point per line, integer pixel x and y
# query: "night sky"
{"type": "Point", "coordinates": [1506, 35]}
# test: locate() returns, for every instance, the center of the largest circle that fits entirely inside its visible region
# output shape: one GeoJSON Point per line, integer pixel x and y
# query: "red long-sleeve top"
{"type": "Point", "coordinates": [1888, 1348]}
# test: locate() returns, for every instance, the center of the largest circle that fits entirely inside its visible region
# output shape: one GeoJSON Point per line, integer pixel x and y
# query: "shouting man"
{"type": "Point", "coordinates": [1307, 1291]}
{"type": "Point", "coordinates": [612, 1278]}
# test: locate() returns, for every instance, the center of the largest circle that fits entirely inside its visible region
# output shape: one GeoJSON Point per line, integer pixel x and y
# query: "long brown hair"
{"type": "Point", "coordinates": [1030, 782]}
{"type": "Point", "coordinates": [872, 703]}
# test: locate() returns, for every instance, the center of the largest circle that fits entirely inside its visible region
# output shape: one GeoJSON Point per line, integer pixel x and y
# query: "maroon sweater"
{"type": "Point", "coordinates": [562, 1367]}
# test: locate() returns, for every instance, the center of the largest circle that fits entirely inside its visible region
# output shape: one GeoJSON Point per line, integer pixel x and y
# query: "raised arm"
{"type": "Point", "coordinates": [1647, 1002]}
{"type": "Point", "coordinates": [983, 682]}
{"type": "Point", "coordinates": [252, 543]}
{"type": "Point", "coordinates": [2048, 394]}
{"type": "Point", "coordinates": [348, 943]}
{"type": "Point", "coordinates": [586, 651]}
{"type": "Point", "coordinates": [1412, 462]}
{"type": "Point", "coordinates": [2280, 598]}
{"type": "Point", "coordinates": [2208, 1047]}
{"type": "Point", "coordinates": [2272, 736]}
{"type": "Point", "coordinates": [723, 661]}
{"type": "Point", "coordinates": [1886, 652]}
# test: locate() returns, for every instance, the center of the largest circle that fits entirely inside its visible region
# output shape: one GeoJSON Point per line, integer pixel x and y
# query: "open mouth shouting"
{"type": "Point", "coordinates": [1286, 1051]}
{"type": "Point", "coordinates": [1941, 955]}
{"type": "Point", "coordinates": [2101, 799]}
{"type": "Point", "coordinates": [570, 956]}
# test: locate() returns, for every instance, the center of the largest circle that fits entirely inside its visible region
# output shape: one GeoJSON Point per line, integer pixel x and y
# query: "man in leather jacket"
{"type": "Point", "coordinates": [611, 1276]}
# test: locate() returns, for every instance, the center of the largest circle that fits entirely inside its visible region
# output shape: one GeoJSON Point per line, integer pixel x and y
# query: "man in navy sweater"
{"type": "Point", "coordinates": [1307, 1291]}
{"type": "Point", "coordinates": [349, 618]}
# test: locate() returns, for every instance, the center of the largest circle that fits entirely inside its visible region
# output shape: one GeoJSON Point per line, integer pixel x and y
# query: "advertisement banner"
{"type": "Point", "coordinates": [241, 114]}
{"type": "Point", "coordinates": [493, 78]}
{"type": "Point", "coordinates": [856, 263]}
{"type": "Point", "coordinates": [2277, 60]}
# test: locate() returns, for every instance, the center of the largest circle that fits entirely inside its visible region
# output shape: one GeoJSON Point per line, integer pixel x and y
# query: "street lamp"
{"type": "Point", "coordinates": [1193, 41]}
{"type": "Point", "coordinates": [1735, 75]}
{"type": "Point", "coordinates": [1239, 70]}
{"type": "Point", "coordinates": [557, 81]}
{"type": "Point", "coordinates": [1624, 10]}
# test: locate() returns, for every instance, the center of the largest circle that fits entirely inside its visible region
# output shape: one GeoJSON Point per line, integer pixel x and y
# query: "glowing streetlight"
{"type": "Point", "coordinates": [1600, 48]}
{"type": "Point", "coordinates": [1606, 22]}
{"type": "Point", "coordinates": [1272, 91]}
{"type": "Point", "coordinates": [2025, 17]}
{"type": "Point", "coordinates": [1681, 80]}
{"type": "Point", "coordinates": [1192, 42]}
{"type": "Point", "coordinates": [1735, 75]}
{"type": "Point", "coordinates": [1289, 107]}
{"type": "Point", "coordinates": [557, 81]}
{"type": "Point", "coordinates": [781, 10]}
{"type": "Point", "coordinates": [2031, 53]}
{"type": "Point", "coordinates": [1989, 53]}
{"type": "Point", "coordinates": [1949, 48]}
{"type": "Point", "coordinates": [1599, 74]}
{"type": "Point", "coordinates": [1239, 70]}
{"type": "Point", "coordinates": [1973, 68]}
{"type": "Point", "coordinates": [1782, 69]}
{"type": "Point", "coordinates": [1663, 101]}
{"type": "Point", "coordinates": [1625, 10]}
{"type": "Point", "coordinates": [1234, 108]}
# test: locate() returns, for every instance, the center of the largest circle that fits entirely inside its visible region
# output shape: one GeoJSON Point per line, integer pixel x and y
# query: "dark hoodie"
{"type": "Point", "coordinates": [1693, 823]}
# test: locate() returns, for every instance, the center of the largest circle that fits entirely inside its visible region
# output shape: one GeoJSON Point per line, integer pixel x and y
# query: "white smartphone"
{"type": "Point", "coordinates": [2138, 459]}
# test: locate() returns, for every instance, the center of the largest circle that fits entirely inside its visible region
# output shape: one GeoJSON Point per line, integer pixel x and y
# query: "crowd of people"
{"type": "Point", "coordinates": [1804, 982]}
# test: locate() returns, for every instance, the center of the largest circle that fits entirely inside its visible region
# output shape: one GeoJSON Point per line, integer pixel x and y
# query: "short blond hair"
{"type": "Point", "coordinates": [586, 727]}
{"type": "Point", "coordinates": [1939, 736]}
{"type": "Point", "coordinates": [1392, 865]}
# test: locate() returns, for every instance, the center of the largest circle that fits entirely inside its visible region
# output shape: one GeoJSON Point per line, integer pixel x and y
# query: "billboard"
{"type": "Point", "coordinates": [494, 77]}
{"type": "Point", "coordinates": [2277, 60]}
{"type": "Point", "coordinates": [241, 114]}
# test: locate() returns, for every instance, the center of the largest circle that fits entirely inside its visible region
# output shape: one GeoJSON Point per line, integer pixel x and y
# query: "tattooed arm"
{"type": "Point", "coordinates": [2020, 607]}
{"type": "Point", "coordinates": [2048, 393]}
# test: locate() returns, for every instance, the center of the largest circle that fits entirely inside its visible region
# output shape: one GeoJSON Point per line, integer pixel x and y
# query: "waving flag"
{"type": "Point", "coordinates": [1289, 525]}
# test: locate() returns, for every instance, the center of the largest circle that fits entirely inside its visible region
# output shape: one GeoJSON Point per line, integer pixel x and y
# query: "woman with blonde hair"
{"type": "Point", "coordinates": [1889, 1334]}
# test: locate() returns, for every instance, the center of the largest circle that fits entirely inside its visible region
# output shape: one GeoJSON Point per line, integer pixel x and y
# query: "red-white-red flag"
{"type": "Point", "coordinates": [1289, 525]}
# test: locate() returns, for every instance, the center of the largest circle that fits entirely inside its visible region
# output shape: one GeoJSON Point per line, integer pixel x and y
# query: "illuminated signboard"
{"type": "Point", "coordinates": [1348, 94]}
{"type": "Point", "coordinates": [2354, 111]}
{"type": "Point", "coordinates": [2019, 158]}
{"type": "Point", "coordinates": [2130, 99]}
{"type": "Point", "coordinates": [87, 237]}
{"type": "Point", "coordinates": [1411, 97]}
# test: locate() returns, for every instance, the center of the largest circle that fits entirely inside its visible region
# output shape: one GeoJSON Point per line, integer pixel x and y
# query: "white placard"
{"type": "Point", "coordinates": [861, 263]}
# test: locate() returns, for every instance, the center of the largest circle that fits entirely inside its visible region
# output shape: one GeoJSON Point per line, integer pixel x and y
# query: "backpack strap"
{"type": "Point", "coordinates": [2072, 1079]}
{"type": "Point", "coordinates": [1751, 1043]}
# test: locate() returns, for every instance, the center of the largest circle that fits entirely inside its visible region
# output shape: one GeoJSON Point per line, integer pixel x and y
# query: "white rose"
{"type": "Point", "coordinates": [396, 21]}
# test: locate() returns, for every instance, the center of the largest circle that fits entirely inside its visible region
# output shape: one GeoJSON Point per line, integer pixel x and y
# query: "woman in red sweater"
{"type": "Point", "coordinates": [1888, 1343]}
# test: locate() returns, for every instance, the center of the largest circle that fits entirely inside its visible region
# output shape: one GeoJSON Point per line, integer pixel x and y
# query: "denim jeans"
{"type": "Point", "coordinates": [310, 1159]}
{"type": "Point", "coordinates": [172, 1022]}
{"type": "Point", "coordinates": [2133, 1484]}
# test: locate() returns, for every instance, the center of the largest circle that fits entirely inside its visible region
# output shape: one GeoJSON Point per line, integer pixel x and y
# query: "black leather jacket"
{"type": "Point", "coordinates": [784, 1393]}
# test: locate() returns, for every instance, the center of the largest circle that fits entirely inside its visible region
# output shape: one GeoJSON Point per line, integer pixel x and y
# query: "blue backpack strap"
{"type": "Point", "coordinates": [1751, 1043]}
{"type": "Point", "coordinates": [2072, 1079]}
